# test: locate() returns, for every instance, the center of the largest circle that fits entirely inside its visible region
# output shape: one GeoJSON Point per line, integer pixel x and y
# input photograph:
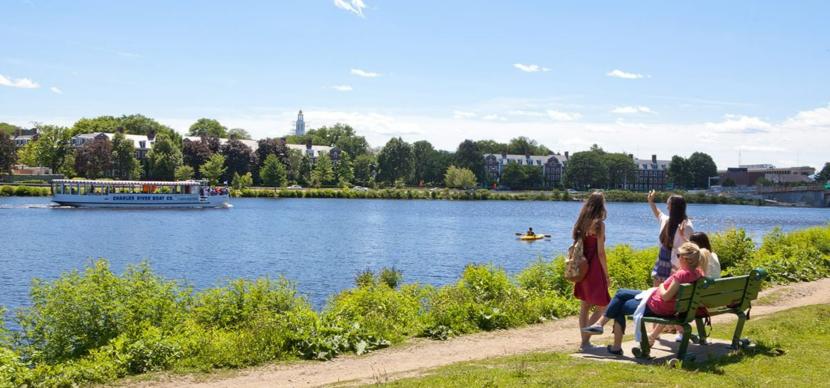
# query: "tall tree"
{"type": "Point", "coordinates": [94, 159]}
{"type": "Point", "coordinates": [678, 172]}
{"type": "Point", "coordinates": [207, 127]}
{"type": "Point", "coordinates": [8, 152]}
{"type": "Point", "coordinates": [621, 170]}
{"type": "Point", "coordinates": [239, 133]}
{"type": "Point", "coordinates": [272, 146]}
{"type": "Point", "coordinates": [470, 157]}
{"type": "Point", "coordinates": [364, 168]}
{"type": "Point", "coordinates": [586, 170]}
{"type": "Point", "coordinates": [239, 158]}
{"type": "Point", "coordinates": [824, 175]}
{"type": "Point", "coordinates": [424, 156]}
{"type": "Point", "coordinates": [8, 129]}
{"type": "Point", "coordinates": [524, 146]}
{"type": "Point", "coordinates": [342, 136]}
{"type": "Point", "coordinates": [124, 163]}
{"type": "Point", "coordinates": [395, 161]}
{"type": "Point", "coordinates": [163, 159]}
{"type": "Point", "coordinates": [294, 167]}
{"type": "Point", "coordinates": [701, 168]}
{"type": "Point", "coordinates": [522, 177]}
{"type": "Point", "coordinates": [343, 171]}
{"type": "Point", "coordinates": [323, 172]}
{"type": "Point", "coordinates": [196, 153]}
{"type": "Point", "coordinates": [273, 172]}
{"type": "Point", "coordinates": [214, 168]}
{"type": "Point", "coordinates": [51, 148]}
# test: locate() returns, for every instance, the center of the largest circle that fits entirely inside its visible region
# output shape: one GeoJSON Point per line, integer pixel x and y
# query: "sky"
{"type": "Point", "coordinates": [745, 81]}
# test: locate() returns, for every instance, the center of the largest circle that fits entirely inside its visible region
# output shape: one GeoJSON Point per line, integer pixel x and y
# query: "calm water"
{"type": "Point", "coordinates": [322, 243]}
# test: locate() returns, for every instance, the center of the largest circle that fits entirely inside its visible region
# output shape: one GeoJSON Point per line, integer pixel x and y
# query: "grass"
{"type": "Point", "coordinates": [792, 349]}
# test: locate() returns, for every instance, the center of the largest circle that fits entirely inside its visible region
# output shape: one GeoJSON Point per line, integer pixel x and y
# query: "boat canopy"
{"type": "Point", "coordinates": [96, 182]}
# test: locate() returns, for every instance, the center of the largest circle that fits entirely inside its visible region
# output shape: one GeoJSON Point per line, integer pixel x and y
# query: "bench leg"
{"type": "Point", "coordinates": [701, 331]}
{"type": "Point", "coordinates": [739, 328]}
{"type": "Point", "coordinates": [684, 344]}
{"type": "Point", "coordinates": [645, 348]}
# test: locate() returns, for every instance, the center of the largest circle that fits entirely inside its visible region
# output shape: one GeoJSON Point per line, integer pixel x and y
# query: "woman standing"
{"type": "Point", "coordinates": [592, 290]}
{"type": "Point", "coordinates": [672, 236]}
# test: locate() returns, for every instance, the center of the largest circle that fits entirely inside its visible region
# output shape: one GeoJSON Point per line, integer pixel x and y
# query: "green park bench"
{"type": "Point", "coordinates": [730, 295]}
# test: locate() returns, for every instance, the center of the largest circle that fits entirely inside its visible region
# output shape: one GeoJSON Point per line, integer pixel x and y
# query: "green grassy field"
{"type": "Point", "coordinates": [792, 349]}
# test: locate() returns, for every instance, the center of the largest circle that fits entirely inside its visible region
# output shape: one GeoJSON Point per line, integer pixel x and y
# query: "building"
{"type": "Point", "coordinates": [652, 174]}
{"type": "Point", "coordinates": [24, 136]}
{"type": "Point", "coordinates": [553, 166]}
{"type": "Point", "coordinates": [749, 175]}
{"type": "Point", "coordinates": [299, 125]}
{"type": "Point", "coordinates": [142, 144]}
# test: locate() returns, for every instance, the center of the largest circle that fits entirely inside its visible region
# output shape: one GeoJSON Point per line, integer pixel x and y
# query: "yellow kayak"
{"type": "Point", "coordinates": [531, 238]}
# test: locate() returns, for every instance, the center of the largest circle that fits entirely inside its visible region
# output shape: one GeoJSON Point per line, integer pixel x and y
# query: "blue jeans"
{"type": "Point", "coordinates": [622, 304]}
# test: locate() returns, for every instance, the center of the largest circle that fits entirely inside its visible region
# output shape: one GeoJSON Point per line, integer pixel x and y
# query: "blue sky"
{"type": "Point", "coordinates": [646, 77]}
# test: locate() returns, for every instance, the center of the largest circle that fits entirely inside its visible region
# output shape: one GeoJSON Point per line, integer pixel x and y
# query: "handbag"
{"type": "Point", "coordinates": [576, 265]}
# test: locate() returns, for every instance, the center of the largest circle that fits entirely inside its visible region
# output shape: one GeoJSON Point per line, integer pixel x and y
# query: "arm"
{"type": "Point", "coordinates": [601, 250]}
{"type": "Point", "coordinates": [651, 203]}
{"type": "Point", "coordinates": [668, 294]}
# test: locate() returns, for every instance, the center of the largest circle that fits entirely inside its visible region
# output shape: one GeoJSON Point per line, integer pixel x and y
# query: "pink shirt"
{"type": "Point", "coordinates": [666, 307]}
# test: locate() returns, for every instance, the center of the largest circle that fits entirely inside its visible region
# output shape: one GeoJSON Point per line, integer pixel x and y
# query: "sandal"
{"type": "Point", "coordinates": [618, 352]}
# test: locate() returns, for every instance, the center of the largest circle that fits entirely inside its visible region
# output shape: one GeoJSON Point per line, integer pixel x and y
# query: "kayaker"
{"type": "Point", "coordinates": [530, 232]}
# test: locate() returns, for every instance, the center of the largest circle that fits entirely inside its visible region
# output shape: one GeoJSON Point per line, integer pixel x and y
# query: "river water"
{"type": "Point", "coordinates": [321, 244]}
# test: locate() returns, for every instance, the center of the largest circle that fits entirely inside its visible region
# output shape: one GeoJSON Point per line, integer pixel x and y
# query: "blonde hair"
{"type": "Point", "coordinates": [696, 257]}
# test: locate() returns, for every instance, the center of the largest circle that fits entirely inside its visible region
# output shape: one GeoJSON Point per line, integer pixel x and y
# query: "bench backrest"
{"type": "Point", "coordinates": [734, 291]}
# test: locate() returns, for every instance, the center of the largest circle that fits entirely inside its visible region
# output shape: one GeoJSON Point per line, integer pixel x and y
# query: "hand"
{"type": "Point", "coordinates": [651, 196]}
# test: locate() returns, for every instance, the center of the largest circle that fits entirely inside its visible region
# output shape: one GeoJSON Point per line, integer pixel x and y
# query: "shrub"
{"type": "Point", "coordinates": [391, 277]}
{"type": "Point", "coordinates": [732, 246]}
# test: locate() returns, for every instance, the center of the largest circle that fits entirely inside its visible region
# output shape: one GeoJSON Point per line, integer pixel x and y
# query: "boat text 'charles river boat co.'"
{"type": "Point", "coordinates": [138, 194]}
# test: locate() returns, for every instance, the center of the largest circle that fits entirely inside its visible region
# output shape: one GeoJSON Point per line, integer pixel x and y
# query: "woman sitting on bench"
{"type": "Point", "coordinates": [660, 303]}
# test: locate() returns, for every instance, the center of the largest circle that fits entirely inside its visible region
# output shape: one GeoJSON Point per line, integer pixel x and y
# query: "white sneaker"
{"type": "Point", "coordinates": [593, 329]}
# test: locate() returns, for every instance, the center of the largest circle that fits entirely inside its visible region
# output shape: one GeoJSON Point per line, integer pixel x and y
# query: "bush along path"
{"type": "Point", "coordinates": [98, 326]}
{"type": "Point", "coordinates": [418, 357]}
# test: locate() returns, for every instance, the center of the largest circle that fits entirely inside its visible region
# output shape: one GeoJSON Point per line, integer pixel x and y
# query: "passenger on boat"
{"type": "Point", "coordinates": [530, 232]}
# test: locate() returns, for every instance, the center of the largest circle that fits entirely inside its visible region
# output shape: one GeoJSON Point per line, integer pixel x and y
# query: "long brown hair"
{"type": "Point", "coordinates": [593, 210]}
{"type": "Point", "coordinates": [677, 214]}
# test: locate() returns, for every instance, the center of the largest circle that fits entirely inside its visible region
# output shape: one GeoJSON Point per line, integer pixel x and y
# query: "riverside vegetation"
{"type": "Point", "coordinates": [98, 326]}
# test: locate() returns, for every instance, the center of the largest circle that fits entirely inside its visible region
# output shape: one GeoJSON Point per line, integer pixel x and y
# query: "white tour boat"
{"type": "Point", "coordinates": [138, 194]}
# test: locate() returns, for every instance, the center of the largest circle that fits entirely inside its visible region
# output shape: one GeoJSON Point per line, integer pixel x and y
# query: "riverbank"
{"type": "Point", "coordinates": [477, 195]}
{"type": "Point", "coordinates": [785, 319]}
{"type": "Point", "coordinates": [97, 326]}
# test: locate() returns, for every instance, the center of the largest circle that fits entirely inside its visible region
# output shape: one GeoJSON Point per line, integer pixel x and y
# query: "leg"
{"type": "Point", "coordinates": [616, 307]}
{"type": "Point", "coordinates": [626, 308]}
{"type": "Point", "coordinates": [584, 309]}
{"type": "Point", "coordinates": [599, 312]}
{"type": "Point", "coordinates": [739, 328]}
{"type": "Point", "coordinates": [701, 331]}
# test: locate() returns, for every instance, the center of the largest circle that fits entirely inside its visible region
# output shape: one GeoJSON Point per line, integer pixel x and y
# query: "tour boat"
{"type": "Point", "coordinates": [138, 194]}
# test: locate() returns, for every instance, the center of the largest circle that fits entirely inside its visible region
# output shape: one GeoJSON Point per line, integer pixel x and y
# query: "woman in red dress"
{"type": "Point", "coordinates": [592, 290]}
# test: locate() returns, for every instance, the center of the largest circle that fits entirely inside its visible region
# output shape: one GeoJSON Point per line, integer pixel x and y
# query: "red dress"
{"type": "Point", "coordinates": [594, 287]}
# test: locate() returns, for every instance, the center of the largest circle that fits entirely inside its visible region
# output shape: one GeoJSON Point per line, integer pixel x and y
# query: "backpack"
{"type": "Point", "coordinates": [576, 265]}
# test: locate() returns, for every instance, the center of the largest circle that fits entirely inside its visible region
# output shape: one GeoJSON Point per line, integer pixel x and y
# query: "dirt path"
{"type": "Point", "coordinates": [418, 355]}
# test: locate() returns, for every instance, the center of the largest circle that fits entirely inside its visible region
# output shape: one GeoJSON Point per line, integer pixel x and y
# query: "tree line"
{"type": "Point", "coordinates": [274, 163]}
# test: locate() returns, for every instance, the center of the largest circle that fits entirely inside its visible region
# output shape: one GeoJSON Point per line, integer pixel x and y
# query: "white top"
{"type": "Point", "coordinates": [712, 269]}
{"type": "Point", "coordinates": [678, 240]}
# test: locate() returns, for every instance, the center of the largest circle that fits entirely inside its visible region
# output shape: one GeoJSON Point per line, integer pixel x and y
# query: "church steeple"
{"type": "Point", "coordinates": [299, 130]}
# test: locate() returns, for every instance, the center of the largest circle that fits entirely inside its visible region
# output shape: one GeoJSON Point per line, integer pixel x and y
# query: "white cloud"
{"type": "Point", "coordinates": [342, 88]}
{"type": "Point", "coordinates": [530, 68]}
{"type": "Point", "coordinates": [353, 6]}
{"type": "Point", "coordinates": [616, 73]}
{"type": "Point", "coordinates": [494, 117]}
{"type": "Point", "coordinates": [458, 114]}
{"type": "Point", "coordinates": [761, 148]}
{"type": "Point", "coordinates": [365, 74]}
{"type": "Point", "coordinates": [22, 83]}
{"type": "Point", "coordinates": [739, 124]}
{"type": "Point", "coordinates": [632, 109]}
{"type": "Point", "coordinates": [525, 113]}
{"type": "Point", "coordinates": [815, 119]}
{"type": "Point", "coordinates": [563, 116]}
{"type": "Point", "coordinates": [56, 90]}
